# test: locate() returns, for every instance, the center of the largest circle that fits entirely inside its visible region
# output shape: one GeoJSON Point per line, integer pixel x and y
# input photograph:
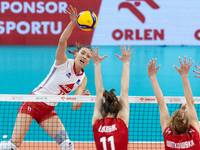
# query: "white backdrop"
{"type": "Point", "coordinates": [175, 21]}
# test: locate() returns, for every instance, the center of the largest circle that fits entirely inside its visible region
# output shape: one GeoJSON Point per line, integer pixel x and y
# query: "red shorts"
{"type": "Point", "coordinates": [37, 110]}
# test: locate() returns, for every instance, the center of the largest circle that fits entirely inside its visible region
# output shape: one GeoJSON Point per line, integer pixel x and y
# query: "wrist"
{"type": "Point", "coordinates": [153, 77]}
{"type": "Point", "coordinates": [97, 64]}
{"type": "Point", "coordinates": [184, 76]}
{"type": "Point", "coordinates": [126, 63]}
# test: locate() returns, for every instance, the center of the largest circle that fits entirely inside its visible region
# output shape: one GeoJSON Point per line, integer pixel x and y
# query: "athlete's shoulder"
{"type": "Point", "coordinates": [168, 130]}
{"type": "Point", "coordinates": [68, 62]}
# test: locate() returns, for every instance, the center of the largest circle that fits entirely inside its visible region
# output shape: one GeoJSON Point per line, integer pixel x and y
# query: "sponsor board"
{"type": "Point", "coordinates": [131, 22]}
{"type": "Point", "coordinates": [37, 22]}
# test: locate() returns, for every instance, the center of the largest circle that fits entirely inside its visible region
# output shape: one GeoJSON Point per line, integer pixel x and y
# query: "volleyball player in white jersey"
{"type": "Point", "coordinates": [65, 76]}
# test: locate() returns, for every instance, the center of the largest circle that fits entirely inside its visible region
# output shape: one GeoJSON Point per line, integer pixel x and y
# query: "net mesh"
{"type": "Point", "coordinates": [144, 124]}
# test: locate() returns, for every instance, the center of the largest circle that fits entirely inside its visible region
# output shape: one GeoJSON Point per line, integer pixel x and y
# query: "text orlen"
{"type": "Point", "coordinates": [107, 128]}
{"type": "Point", "coordinates": [138, 34]}
{"type": "Point", "coordinates": [181, 145]}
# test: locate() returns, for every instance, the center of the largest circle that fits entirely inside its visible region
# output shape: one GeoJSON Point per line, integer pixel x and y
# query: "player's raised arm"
{"type": "Point", "coordinates": [191, 111]}
{"type": "Point", "coordinates": [61, 56]}
{"type": "Point", "coordinates": [98, 84]}
{"type": "Point", "coordinates": [164, 114]}
{"type": "Point", "coordinates": [125, 58]}
{"type": "Point", "coordinates": [197, 72]}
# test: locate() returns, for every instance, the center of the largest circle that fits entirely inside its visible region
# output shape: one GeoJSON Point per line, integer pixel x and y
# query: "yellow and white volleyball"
{"type": "Point", "coordinates": [87, 20]}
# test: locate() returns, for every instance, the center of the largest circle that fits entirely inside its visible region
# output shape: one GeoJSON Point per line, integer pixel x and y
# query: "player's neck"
{"type": "Point", "coordinates": [110, 115]}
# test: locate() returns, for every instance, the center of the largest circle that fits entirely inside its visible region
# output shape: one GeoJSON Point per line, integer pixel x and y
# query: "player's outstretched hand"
{"type": "Point", "coordinates": [197, 72]}
{"type": "Point", "coordinates": [72, 13]}
{"type": "Point", "coordinates": [126, 55]}
{"type": "Point", "coordinates": [185, 67]}
{"type": "Point", "coordinates": [95, 56]}
{"type": "Point", "coordinates": [86, 92]}
{"type": "Point", "coordinates": [152, 70]}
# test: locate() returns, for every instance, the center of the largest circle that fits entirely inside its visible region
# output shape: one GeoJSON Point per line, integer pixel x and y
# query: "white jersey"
{"type": "Point", "coordinates": [61, 80]}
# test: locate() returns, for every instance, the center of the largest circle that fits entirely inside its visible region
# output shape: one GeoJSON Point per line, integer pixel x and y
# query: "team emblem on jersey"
{"type": "Point", "coordinates": [68, 75]}
{"type": "Point", "coordinates": [78, 81]}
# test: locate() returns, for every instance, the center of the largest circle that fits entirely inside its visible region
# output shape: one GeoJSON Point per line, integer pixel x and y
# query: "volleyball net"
{"type": "Point", "coordinates": [144, 124]}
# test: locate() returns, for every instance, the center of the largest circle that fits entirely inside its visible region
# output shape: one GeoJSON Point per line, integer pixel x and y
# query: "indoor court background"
{"type": "Point", "coordinates": [24, 67]}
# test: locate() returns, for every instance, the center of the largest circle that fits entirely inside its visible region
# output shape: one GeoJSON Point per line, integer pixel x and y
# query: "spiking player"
{"type": "Point", "coordinates": [110, 120]}
{"type": "Point", "coordinates": [181, 131]}
{"type": "Point", "coordinates": [65, 76]}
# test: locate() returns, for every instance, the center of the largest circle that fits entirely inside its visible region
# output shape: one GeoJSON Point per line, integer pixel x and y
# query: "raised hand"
{"type": "Point", "coordinates": [185, 67]}
{"type": "Point", "coordinates": [95, 56]}
{"type": "Point", "coordinates": [72, 13]}
{"type": "Point", "coordinates": [86, 92]}
{"type": "Point", "coordinates": [152, 70]}
{"type": "Point", "coordinates": [126, 55]}
{"type": "Point", "coordinates": [197, 72]}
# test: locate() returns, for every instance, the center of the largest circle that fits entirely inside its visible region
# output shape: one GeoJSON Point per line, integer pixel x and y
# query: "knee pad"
{"type": "Point", "coordinates": [8, 146]}
{"type": "Point", "coordinates": [67, 145]}
{"type": "Point", "coordinates": [63, 140]}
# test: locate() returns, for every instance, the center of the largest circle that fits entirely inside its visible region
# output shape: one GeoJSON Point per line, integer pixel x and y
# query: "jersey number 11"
{"type": "Point", "coordinates": [110, 139]}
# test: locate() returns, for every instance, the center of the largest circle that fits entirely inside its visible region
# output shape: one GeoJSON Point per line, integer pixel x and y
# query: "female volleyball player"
{"type": "Point", "coordinates": [110, 119]}
{"type": "Point", "coordinates": [181, 131]}
{"type": "Point", "coordinates": [197, 72]}
{"type": "Point", "coordinates": [66, 75]}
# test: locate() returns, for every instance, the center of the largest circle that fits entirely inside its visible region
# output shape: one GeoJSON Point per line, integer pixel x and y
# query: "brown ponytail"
{"type": "Point", "coordinates": [111, 104]}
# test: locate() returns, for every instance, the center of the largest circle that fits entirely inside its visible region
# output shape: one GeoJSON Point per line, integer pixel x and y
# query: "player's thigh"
{"type": "Point", "coordinates": [22, 124]}
{"type": "Point", "coordinates": [52, 126]}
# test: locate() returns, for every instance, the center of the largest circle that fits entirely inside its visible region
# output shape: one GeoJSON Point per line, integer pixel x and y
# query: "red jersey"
{"type": "Point", "coordinates": [188, 141]}
{"type": "Point", "coordinates": [110, 134]}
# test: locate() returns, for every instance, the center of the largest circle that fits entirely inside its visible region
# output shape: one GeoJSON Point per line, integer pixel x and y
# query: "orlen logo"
{"type": "Point", "coordinates": [147, 99]}
{"type": "Point", "coordinates": [68, 98]}
{"type": "Point", "coordinates": [175, 100]}
{"type": "Point", "coordinates": [197, 34]}
{"type": "Point", "coordinates": [134, 10]}
{"type": "Point", "coordinates": [138, 34]}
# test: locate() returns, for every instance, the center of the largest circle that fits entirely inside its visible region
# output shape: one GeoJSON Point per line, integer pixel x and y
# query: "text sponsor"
{"type": "Point", "coordinates": [31, 10]}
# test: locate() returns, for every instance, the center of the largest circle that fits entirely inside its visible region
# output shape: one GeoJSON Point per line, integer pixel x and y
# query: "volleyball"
{"type": "Point", "coordinates": [87, 20]}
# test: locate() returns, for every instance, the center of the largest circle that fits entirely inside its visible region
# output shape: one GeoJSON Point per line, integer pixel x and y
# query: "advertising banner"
{"type": "Point", "coordinates": [131, 22]}
{"type": "Point", "coordinates": [37, 22]}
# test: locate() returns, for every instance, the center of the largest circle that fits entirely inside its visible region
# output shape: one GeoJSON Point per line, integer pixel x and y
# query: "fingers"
{"type": "Point", "coordinates": [131, 51]}
{"type": "Point", "coordinates": [104, 56]}
{"type": "Point", "coordinates": [197, 67]}
{"type": "Point", "coordinates": [157, 68]}
{"type": "Point", "coordinates": [189, 61]}
{"type": "Point", "coordinates": [180, 60]}
{"type": "Point", "coordinates": [176, 68]}
{"type": "Point", "coordinates": [185, 59]}
{"type": "Point", "coordinates": [196, 72]}
{"type": "Point", "coordinates": [118, 56]}
{"type": "Point", "coordinates": [93, 50]}
{"type": "Point", "coordinates": [191, 64]}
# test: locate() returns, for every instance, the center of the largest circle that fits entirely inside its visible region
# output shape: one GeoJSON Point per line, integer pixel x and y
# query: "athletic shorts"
{"type": "Point", "coordinates": [37, 110]}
